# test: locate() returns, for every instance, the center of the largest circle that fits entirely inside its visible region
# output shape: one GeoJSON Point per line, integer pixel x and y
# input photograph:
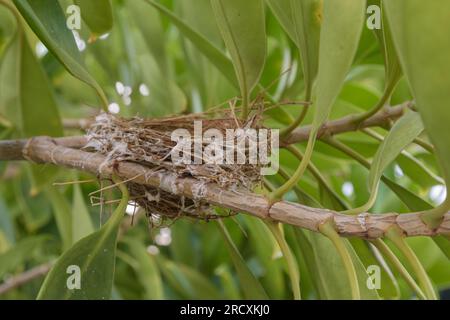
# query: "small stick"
{"type": "Point", "coordinates": [23, 278]}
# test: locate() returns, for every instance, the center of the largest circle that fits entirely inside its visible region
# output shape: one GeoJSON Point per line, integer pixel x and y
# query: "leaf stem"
{"type": "Point", "coordinates": [328, 229]}
{"type": "Point", "coordinates": [279, 193]}
{"type": "Point", "coordinates": [433, 217]}
{"type": "Point", "coordinates": [245, 101]}
{"type": "Point", "coordinates": [424, 144]}
{"type": "Point", "coordinates": [396, 236]}
{"type": "Point", "coordinates": [355, 155]}
{"type": "Point", "coordinates": [380, 104]}
{"type": "Point", "coordinates": [286, 131]}
{"type": "Point", "coordinates": [386, 251]}
{"type": "Point", "coordinates": [294, 274]}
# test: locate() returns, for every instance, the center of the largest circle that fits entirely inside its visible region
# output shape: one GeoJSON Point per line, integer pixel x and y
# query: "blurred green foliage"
{"type": "Point", "coordinates": [156, 58]}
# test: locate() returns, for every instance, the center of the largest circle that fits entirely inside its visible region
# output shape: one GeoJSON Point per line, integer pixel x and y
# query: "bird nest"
{"type": "Point", "coordinates": [149, 142]}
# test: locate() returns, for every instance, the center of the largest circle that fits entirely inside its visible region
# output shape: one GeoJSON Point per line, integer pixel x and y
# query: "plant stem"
{"type": "Point", "coordinates": [433, 217]}
{"type": "Point", "coordinates": [279, 193]}
{"type": "Point", "coordinates": [118, 213]}
{"type": "Point", "coordinates": [380, 104]}
{"type": "Point", "coordinates": [245, 102]}
{"type": "Point", "coordinates": [347, 150]}
{"type": "Point", "coordinates": [329, 231]}
{"type": "Point", "coordinates": [315, 172]}
{"type": "Point", "coordinates": [286, 131]}
{"type": "Point", "coordinates": [395, 235]}
{"type": "Point", "coordinates": [355, 155]}
{"type": "Point", "coordinates": [424, 144]}
{"type": "Point", "coordinates": [294, 274]}
{"type": "Point", "coordinates": [386, 251]}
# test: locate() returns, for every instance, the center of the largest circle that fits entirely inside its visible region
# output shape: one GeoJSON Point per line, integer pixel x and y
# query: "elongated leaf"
{"type": "Point", "coordinates": [97, 15]}
{"type": "Point", "coordinates": [204, 76]}
{"type": "Point", "coordinates": [147, 270]}
{"type": "Point", "coordinates": [61, 212]}
{"type": "Point", "coordinates": [384, 37]}
{"type": "Point", "coordinates": [242, 26]}
{"type": "Point", "coordinates": [399, 137]}
{"type": "Point", "coordinates": [92, 259]}
{"type": "Point", "coordinates": [302, 20]}
{"type": "Point", "coordinates": [81, 220]}
{"type": "Point", "coordinates": [217, 57]}
{"type": "Point", "coordinates": [149, 23]}
{"type": "Point", "coordinates": [20, 253]}
{"type": "Point", "coordinates": [326, 267]}
{"type": "Point", "coordinates": [47, 20]}
{"type": "Point", "coordinates": [444, 244]}
{"type": "Point", "coordinates": [424, 59]}
{"type": "Point", "coordinates": [251, 287]}
{"type": "Point", "coordinates": [188, 282]}
{"type": "Point", "coordinates": [228, 283]}
{"type": "Point", "coordinates": [166, 97]}
{"type": "Point", "coordinates": [341, 29]}
{"type": "Point", "coordinates": [265, 248]}
{"type": "Point", "coordinates": [28, 100]}
{"type": "Point", "coordinates": [389, 288]}
{"type": "Point", "coordinates": [38, 109]}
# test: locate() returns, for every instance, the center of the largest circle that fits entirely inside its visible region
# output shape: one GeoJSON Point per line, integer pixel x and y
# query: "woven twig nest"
{"type": "Point", "coordinates": [149, 143]}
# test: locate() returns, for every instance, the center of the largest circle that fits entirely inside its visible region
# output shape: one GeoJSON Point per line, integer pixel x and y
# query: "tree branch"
{"type": "Point", "coordinates": [25, 277]}
{"type": "Point", "coordinates": [345, 124]}
{"type": "Point", "coordinates": [349, 123]}
{"type": "Point", "coordinates": [371, 226]}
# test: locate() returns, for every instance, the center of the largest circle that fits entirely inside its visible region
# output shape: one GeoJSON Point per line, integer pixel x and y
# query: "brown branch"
{"type": "Point", "coordinates": [345, 124]}
{"type": "Point", "coordinates": [47, 150]}
{"type": "Point", "coordinates": [27, 276]}
{"type": "Point", "coordinates": [348, 123]}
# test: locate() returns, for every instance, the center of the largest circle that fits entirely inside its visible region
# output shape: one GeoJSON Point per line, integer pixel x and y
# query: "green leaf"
{"type": "Point", "coordinates": [61, 212]}
{"type": "Point", "coordinates": [94, 255]}
{"type": "Point", "coordinates": [338, 43]}
{"type": "Point", "coordinates": [393, 71]}
{"type": "Point", "coordinates": [149, 23]}
{"type": "Point", "coordinates": [242, 26]}
{"type": "Point", "coordinates": [444, 244]}
{"type": "Point", "coordinates": [217, 57]}
{"type": "Point", "coordinates": [39, 112]}
{"type": "Point", "coordinates": [389, 288]}
{"type": "Point", "coordinates": [229, 285]}
{"type": "Point", "coordinates": [326, 268]}
{"type": "Point", "coordinates": [302, 20]}
{"type": "Point", "coordinates": [146, 270]}
{"type": "Point", "coordinates": [166, 97]}
{"type": "Point", "coordinates": [47, 20]}
{"type": "Point", "coordinates": [292, 267]}
{"type": "Point", "coordinates": [6, 223]}
{"type": "Point", "coordinates": [423, 47]}
{"type": "Point", "coordinates": [266, 249]}
{"type": "Point", "coordinates": [188, 282]}
{"type": "Point", "coordinates": [81, 219]}
{"type": "Point", "coordinates": [28, 100]}
{"type": "Point", "coordinates": [97, 15]}
{"type": "Point", "coordinates": [20, 253]}
{"type": "Point", "coordinates": [35, 210]}
{"type": "Point", "coordinates": [251, 287]}
{"type": "Point", "coordinates": [339, 37]}
{"type": "Point", "coordinates": [399, 137]}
